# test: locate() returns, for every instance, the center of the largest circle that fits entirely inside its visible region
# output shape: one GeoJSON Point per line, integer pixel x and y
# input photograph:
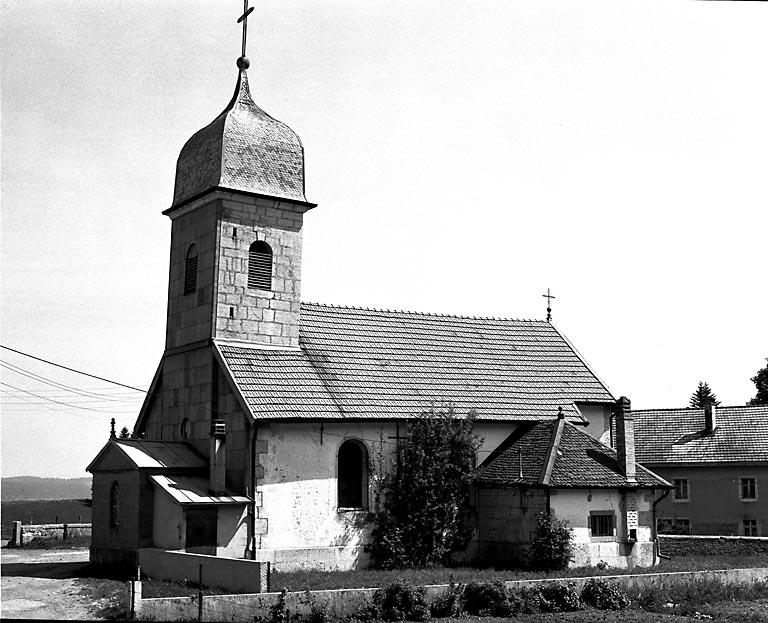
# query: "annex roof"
{"type": "Point", "coordinates": [194, 490]}
{"type": "Point", "coordinates": [678, 435]}
{"type": "Point", "coordinates": [367, 363]}
{"type": "Point", "coordinates": [143, 454]}
{"type": "Point", "coordinates": [557, 454]}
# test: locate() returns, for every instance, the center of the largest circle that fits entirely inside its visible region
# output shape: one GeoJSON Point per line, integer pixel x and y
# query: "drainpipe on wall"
{"type": "Point", "coordinates": [218, 469]}
{"type": "Point", "coordinates": [252, 526]}
{"type": "Point", "coordinates": [655, 532]}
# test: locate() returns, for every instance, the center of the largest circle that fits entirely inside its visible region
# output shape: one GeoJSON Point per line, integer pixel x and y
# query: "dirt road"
{"type": "Point", "coordinates": [43, 584]}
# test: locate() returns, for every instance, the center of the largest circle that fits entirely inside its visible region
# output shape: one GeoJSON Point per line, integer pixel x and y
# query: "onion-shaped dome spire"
{"type": "Point", "coordinates": [243, 149]}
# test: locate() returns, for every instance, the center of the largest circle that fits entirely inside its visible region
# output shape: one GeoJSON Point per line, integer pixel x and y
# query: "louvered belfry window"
{"type": "Point", "coordinates": [260, 266]}
{"type": "Point", "coordinates": [190, 270]}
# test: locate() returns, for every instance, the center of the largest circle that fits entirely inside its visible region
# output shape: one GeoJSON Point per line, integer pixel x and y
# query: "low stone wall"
{"type": "Point", "coordinates": [339, 604]}
{"type": "Point", "coordinates": [692, 545]}
{"type": "Point", "coordinates": [24, 533]}
{"type": "Point", "coordinates": [231, 574]}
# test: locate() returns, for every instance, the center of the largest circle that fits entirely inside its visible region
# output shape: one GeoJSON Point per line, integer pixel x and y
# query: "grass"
{"type": "Point", "coordinates": [109, 597]}
{"type": "Point", "coordinates": [374, 578]}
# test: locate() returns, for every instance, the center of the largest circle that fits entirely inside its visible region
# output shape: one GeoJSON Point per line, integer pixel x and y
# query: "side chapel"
{"type": "Point", "coordinates": [270, 422]}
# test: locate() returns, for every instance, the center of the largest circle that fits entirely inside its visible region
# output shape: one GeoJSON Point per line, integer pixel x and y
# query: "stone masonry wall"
{"type": "Point", "coordinates": [25, 533]}
{"type": "Point", "coordinates": [251, 314]}
{"type": "Point", "coordinates": [673, 545]}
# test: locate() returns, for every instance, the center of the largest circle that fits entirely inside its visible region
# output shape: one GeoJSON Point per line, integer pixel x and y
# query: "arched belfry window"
{"type": "Point", "coordinates": [114, 505]}
{"type": "Point", "coordinates": [260, 266]}
{"type": "Point", "coordinates": [190, 270]}
{"type": "Point", "coordinates": [353, 475]}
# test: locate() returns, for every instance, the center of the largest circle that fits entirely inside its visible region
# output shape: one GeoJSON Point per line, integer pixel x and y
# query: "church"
{"type": "Point", "coordinates": [271, 423]}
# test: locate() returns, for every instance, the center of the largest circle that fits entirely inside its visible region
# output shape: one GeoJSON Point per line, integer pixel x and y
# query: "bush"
{"type": "Point", "coordinates": [488, 599]}
{"type": "Point", "coordinates": [560, 597]}
{"type": "Point", "coordinates": [449, 603]}
{"type": "Point", "coordinates": [552, 547]}
{"type": "Point", "coordinates": [401, 601]}
{"type": "Point", "coordinates": [604, 595]}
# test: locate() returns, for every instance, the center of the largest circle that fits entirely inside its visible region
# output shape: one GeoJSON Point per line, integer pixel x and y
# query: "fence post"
{"type": "Point", "coordinates": [200, 593]}
{"type": "Point", "coordinates": [16, 540]}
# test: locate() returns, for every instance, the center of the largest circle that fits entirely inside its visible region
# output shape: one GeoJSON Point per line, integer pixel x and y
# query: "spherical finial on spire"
{"type": "Point", "coordinates": [243, 63]}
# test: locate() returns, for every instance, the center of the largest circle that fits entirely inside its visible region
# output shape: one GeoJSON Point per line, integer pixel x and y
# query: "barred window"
{"type": "Point", "coordinates": [601, 524]}
{"type": "Point", "coordinates": [260, 266]}
{"type": "Point", "coordinates": [750, 527]}
{"type": "Point", "coordinates": [190, 270]}
{"type": "Point", "coordinates": [353, 475]}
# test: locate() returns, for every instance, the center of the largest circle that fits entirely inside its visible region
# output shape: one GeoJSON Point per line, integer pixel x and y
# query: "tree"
{"type": "Point", "coordinates": [702, 393]}
{"type": "Point", "coordinates": [761, 382]}
{"type": "Point", "coordinates": [124, 434]}
{"type": "Point", "coordinates": [419, 519]}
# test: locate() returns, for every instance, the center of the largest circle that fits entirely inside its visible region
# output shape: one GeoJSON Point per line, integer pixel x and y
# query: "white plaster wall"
{"type": "Point", "coordinates": [232, 531]}
{"type": "Point", "coordinates": [493, 433]}
{"type": "Point", "coordinates": [574, 506]}
{"type": "Point", "coordinates": [168, 529]}
{"type": "Point", "coordinates": [599, 418]}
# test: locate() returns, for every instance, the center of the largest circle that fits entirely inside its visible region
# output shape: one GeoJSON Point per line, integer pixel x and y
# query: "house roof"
{"type": "Point", "coordinates": [678, 435]}
{"type": "Point", "coordinates": [557, 454]}
{"type": "Point", "coordinates": [194, 490]}
{"type": "Point", "coordinates": [141, 453]}
{"type": "Point", "coordinates": [367, 363]}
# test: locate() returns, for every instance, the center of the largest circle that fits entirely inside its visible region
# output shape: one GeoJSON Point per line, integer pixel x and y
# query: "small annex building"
{"type": "Point", "coordinates": [717, 460]}
{"type": "Point", "coordinates": [271, 423]}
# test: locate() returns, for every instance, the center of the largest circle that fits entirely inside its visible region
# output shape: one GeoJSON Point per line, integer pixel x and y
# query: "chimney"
{"type": "Point", "coordinates": [625, 438]}
{"type": "Point", "coordinates": [710, 416]}
{"type": "Point", "coordinates": [218, 457]}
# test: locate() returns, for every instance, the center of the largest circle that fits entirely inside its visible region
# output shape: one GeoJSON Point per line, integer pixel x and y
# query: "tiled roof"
{"type": "Point", "coordinates": [677, 435]}
{"type": "Point", "coordinates": [245, 149]}
{"type": "Point", "coordinates": [577, 460]}
{"type": "Point", "coordinates": [363, 363]}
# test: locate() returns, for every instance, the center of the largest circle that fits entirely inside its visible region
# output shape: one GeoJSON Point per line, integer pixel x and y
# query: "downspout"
{"type": "Point", "coordinates": [656, 547]}
{"type": "Point", "coordinates": [252, 503]}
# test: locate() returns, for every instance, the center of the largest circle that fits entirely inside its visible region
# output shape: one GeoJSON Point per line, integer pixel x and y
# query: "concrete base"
{"type": "Point", "coordinates": [343, 558]}
{"type": "Point", "coordinates": [116, 560]}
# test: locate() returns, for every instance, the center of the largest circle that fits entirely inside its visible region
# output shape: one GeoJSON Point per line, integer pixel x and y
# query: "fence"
{"type": "Point", "coordinates": [339, 604]}
{"type": "Point", "coordinates": [24, 533]}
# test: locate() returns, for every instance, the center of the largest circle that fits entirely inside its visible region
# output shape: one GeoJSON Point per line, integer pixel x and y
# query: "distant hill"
{"type": "Point", "coordinates": [34, 488]}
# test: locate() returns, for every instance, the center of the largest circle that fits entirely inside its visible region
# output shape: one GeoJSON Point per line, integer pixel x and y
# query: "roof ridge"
{"type": "Point", "coordinates": [421, 313]}
{"type": "Point", "coordinates": [692, 409]}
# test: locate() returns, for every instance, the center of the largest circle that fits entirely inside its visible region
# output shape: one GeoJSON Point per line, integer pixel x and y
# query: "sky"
{"type": "Point", "coordinates": [465, 156]}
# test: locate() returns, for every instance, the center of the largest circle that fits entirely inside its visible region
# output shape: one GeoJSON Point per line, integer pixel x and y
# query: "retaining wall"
{"type": "Point", "coordinates": [692, 545]}
{"type": "Point", "coordinates": [24, 533]}
{"type": "Point", "coordinates": [339, 604]}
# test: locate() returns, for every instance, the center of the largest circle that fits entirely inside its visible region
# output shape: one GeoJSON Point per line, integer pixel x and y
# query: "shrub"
{"type": "Point", "coordinates": [449, 603]}
{"type": "Point", "coordinates": [488, 599]}
{"type": "Point", "coordinates": [552, 547]}
{"type": "Point", "coordinates": [604, 595]}
{"type": "Point", "coordinates": [401, 601]}
{"type": "Point", "coordinates": [560, 597]}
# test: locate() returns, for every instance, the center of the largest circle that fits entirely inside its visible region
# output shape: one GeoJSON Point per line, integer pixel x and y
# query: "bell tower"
{"type": "Point", "coordinates": [237, 217]}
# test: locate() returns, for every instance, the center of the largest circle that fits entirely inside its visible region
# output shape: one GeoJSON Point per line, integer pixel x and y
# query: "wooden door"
{"type": "Point", "coordinates": [201, 531]}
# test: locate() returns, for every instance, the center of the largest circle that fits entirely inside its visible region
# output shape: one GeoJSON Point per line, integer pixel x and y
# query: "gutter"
{"type": "Point", "coordinates": [656, 548]}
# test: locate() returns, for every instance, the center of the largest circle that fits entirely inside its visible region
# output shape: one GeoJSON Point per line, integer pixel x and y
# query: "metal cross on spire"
{"type": "Point", "coordinates": [549, 298]}
{"type": "Point", "coordinates": [244, 19]}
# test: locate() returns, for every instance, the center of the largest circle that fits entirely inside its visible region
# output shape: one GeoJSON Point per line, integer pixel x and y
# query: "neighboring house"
{"type": "Point", "coordinates": [553, 466]}
{"type": "Point", "coordinates": [717, 460]}
{"type": "Point", "coordinates": [270, 423]}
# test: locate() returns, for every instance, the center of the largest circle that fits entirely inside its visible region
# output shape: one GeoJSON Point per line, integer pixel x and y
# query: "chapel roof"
{"type": "Point", "coordinates": [368, 363]}
{"type": "Point", "coordinates": [145, 454]}
{"type": "Point", "coordinates": [243, 149]}
{"type": "Point", "coordinates": [678, 435]}
{"type": "Point", "coordinates": [557, 454]}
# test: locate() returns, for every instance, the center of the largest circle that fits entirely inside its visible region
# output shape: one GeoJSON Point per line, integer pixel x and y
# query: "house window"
{"type": "Point", "coordinates": [353, 475]}
{"type": "Point", "coordinates": [748, 489]}
{"type": "Point", "coordinates": [190, 270]}
{"type": "Point", "coordinates": [681, 489]}
{"type": "Point", "coordinates": [260, 266]}
{"type": "Point", "coordinates": [682, 525]}
{"type": "Point", "coordinates": [114, 505]}
{"type": "Point", "coordinates": [602, 524]}
{"type": "Point", "coordinates": [750, 527]}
